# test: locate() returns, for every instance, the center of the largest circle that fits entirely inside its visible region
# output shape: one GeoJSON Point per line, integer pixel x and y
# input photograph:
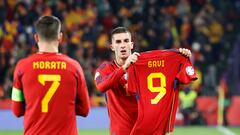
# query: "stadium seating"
{"type": "Point", "coordinates": [208, 107]}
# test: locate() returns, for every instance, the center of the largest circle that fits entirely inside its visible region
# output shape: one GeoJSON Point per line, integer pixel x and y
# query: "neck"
{"type": "Point", "coordinates": [48, 46]}
{"type": "Point", "coordinates": [120, 62]}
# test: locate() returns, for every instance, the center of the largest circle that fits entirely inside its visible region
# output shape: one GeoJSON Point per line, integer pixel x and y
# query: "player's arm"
{"type": "Point", "coordinates": [130, 60]}
{"type": "Point", "coordinates": [18, 104]}
{"type": "Point", "coordinates": [105, 79]}
{"type": "Point", "coordinates": [82, 99]}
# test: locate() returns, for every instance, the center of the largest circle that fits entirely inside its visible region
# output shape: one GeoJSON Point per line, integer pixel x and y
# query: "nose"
{"type": "Point", "coordinates": [123, 45]}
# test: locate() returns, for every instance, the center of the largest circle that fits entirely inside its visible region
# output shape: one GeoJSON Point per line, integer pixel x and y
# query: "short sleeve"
{"type": "Point", "coordinates": [187, 72]}
{"type": "Point", "coordinates": [131, 80]}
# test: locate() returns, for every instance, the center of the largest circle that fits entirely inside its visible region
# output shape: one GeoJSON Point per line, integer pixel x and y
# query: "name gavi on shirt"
{"type": "Point", "coordinates": [155, 63]}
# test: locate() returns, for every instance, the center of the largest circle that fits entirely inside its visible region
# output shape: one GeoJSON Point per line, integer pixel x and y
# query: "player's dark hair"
{"type": "Point", "coordinates": [48, 27]}
{"type": "Point", "coordinates": [119, 30]}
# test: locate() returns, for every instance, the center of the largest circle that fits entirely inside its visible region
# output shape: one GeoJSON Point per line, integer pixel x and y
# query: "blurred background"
{"type": "Point", "coordinates": [209, 28]}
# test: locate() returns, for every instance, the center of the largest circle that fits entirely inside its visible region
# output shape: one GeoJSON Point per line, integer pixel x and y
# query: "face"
{"type": "Point", "coordinates": [122, 45]}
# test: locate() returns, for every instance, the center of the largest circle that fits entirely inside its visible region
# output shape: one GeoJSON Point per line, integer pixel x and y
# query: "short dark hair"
{"type": "Point", "coordinates": [119, 30]}
{"type": "Point", "coordinates": [48, 27]}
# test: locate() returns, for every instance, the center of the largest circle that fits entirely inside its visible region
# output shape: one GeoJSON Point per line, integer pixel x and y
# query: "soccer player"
{"type": "Point", "coordinates": [110, 78]}
{"type": "Point", "coordinates": [49, 88]}
{"type": "Point", "coordinates": [154, 79]}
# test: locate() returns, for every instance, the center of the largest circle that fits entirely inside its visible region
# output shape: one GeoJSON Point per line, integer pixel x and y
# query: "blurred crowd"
{"type": "Point", "coordinates": [209, 28]}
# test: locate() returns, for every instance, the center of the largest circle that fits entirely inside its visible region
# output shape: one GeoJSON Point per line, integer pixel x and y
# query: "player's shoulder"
{"type": "Point", "coordinates": [104, 69]}
{"type": "Point", "coordinates": [70, 60]}
{"type": "Point", "coordinates": [24, 61]}
{"type": "Point", "coordinates": [175, 53]}
{"type": "Point", "coordinates": [157, 53]}
{"type": "Point", "coordinates": [166, 53]}
{"type": "Point", "coordinates": [105, 65]}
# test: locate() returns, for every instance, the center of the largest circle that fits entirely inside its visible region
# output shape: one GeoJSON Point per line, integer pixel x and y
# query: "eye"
{"type": "Point", "coordinates": [118, 41]}
{"type": "Point", "coordinates": [126, 40]}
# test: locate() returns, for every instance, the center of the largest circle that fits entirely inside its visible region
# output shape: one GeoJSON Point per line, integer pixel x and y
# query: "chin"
{"type": "Point", "coordinates": [124, 57]}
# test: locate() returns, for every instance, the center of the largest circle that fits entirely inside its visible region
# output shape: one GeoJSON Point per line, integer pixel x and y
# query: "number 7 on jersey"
{"type": "Point", "coordinates": [42, 78]}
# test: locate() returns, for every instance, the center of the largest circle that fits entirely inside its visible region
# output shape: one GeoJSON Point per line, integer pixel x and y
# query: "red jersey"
{"type": "Point", "coordinates": [49, 89]}
{"type": "Point", "coordinates": [153, 79]}
{"type": "Point", "coordinates": [122, 107]}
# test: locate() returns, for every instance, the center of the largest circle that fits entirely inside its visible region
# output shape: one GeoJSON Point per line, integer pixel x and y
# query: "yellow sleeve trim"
{"type": "Point", "coordinates": [17, 95]}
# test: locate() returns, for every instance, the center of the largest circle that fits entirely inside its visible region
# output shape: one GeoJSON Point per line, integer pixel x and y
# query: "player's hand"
{"type": "Point", "coordinates": [131, 59]}
{"type": "Point", "coordinates": [185, 52]}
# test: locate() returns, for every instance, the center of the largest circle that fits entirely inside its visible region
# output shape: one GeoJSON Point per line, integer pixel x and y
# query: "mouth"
{"type": "Point", "coordinates": [123, 51]}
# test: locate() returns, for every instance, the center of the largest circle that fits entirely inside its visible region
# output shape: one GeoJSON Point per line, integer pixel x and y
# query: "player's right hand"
{"type": "Point", "coordinates": [131, 59]}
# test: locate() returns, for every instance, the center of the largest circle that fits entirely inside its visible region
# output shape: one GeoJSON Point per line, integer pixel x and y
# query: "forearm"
{"type": "Point", "coordinates": [107, 82]}
{"type": "Point", "coordinates": [18, 103]}
{"type": "Point", "coordinates": [82, 103]}
{"type": "Point", "coordinates": [82, 110]}
{"type": "Point", "coordinates": [18, 108]}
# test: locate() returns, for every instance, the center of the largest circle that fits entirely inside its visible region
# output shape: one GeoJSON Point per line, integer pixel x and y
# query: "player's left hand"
{"type": "Point", "coordinates": [185, 52]}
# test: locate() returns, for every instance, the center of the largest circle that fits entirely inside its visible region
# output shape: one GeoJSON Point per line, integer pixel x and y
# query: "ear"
{"type": "Point", "coordinates": [132, 45]}
{"type": "Point", "coordinates": [112, 48]}
{"type": "Point", "coordinates": [36, 38]}
{"type": "Point", "coordinates": [60, 37]}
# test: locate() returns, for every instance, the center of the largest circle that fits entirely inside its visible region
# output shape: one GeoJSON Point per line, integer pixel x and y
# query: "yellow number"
{"type": "Point", "coordinates": [56, 82]}
{"type": "Point", "coordinates": [161, 89]}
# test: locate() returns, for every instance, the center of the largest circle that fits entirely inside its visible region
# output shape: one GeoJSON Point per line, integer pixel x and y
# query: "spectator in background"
{"type": "Point", "coordinates": [2, 70]}
{"type": "Point", "coordinates": [158, 24]}
{"type": "Point", "coordinates": [3, 11]}
{"type": "Point", "coordinates": [187, 98]}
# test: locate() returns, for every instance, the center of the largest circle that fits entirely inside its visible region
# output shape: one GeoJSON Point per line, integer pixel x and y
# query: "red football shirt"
{"type": "Point", "coordinates": [122, 107]}
{"type": "Point", "coordinates": [152, 79]}
{"type": "Point", "coordinates": [54, 91]}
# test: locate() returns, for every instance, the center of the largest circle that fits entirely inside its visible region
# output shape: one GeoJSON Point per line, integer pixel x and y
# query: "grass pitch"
{"type": "Point", "coordinates": [186, 130]}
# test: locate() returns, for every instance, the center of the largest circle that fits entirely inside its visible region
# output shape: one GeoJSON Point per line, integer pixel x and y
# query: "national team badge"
{"type": "Point", "coordinates": [96, 75]}
{"type": "Point", "coordinates": [189, 70]}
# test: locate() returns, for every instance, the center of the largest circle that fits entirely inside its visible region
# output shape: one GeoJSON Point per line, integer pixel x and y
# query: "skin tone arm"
{"type": "Point", "coordinates": [131, 59]}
